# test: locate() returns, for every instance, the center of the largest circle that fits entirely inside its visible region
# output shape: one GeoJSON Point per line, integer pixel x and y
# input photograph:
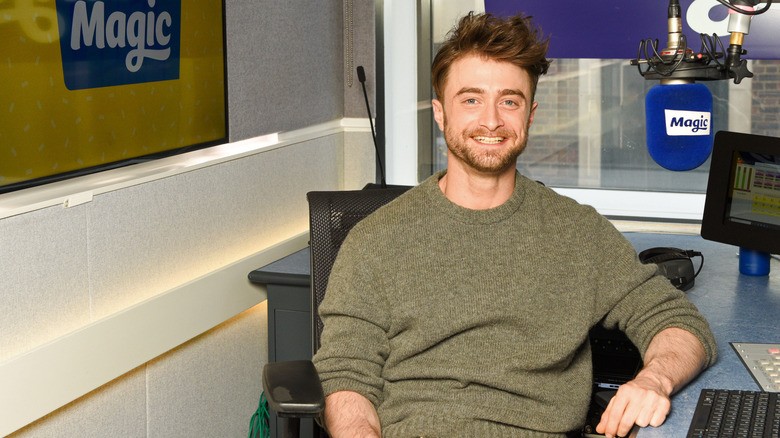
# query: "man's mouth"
{"type": "Point", "coordinates": [489, 140]}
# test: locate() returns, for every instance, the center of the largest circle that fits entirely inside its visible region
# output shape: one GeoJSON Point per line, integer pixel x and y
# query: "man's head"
{"type": "Point", "coordinates": [485, 77]}
{"type": "Point", "coordinates": [515, 40]}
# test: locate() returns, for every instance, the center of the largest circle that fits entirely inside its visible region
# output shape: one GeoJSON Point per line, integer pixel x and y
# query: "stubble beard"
{"type": "Point", "coordinates": [485, 160]}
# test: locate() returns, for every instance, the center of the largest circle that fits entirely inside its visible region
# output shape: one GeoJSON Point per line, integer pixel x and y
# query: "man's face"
{"type": "Point", "coordinates": [485, 113]}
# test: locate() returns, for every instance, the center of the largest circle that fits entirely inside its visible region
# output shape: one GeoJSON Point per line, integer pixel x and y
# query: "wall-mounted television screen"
{"type": "Point", "coordinates": [92, 85]}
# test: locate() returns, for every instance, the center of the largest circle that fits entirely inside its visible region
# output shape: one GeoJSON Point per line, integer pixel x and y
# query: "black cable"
{"type": "Point", "coordinates": [742, 11]}
{"type": "Point", "coordinates": [711, 51]}
{"type": "Point", "coordinates": [692, 254]}
{"type": "Point", "coordinates": [717, 42]}
{"type": "Point", "coordinates": [681, 42]}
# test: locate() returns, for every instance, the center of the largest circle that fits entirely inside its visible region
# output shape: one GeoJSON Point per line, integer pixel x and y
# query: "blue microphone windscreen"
{"type": "Point", "coordinates": [679, 122]}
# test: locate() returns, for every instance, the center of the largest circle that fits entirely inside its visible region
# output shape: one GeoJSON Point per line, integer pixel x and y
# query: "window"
{"type": "Point", "coordinates": [588, 138]}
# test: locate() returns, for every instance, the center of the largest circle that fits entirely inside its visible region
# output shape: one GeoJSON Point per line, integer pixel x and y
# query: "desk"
{"type": "Point", "coordinates": [289, 306]}
{"type": "Point", "coordinates": [288, 288]}
{"type": "Point", "coordinates": [739, 308]}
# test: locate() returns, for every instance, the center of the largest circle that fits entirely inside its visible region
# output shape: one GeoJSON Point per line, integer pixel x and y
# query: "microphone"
{"type": "Point", "coordinates": [678, 112]}
{"type": "Point", "coordinates": [678, 116]}
{"type": "Point", "coordinates": [362, 78]}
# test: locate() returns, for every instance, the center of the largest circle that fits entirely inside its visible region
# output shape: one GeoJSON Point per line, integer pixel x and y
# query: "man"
{"type": "Point", "coordinates": [463, 308]}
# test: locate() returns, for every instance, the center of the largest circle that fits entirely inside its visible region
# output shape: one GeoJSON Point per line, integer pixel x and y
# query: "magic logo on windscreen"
{"type": "Point", "coordinates": [119, 42]}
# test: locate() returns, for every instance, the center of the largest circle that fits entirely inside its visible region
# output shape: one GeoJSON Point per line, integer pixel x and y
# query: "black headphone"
{"type": "Point", "coordinates": [674, 263]}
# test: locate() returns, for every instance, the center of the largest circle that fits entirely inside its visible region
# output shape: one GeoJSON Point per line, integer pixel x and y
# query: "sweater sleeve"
{"type": "Point", "coordinates": [656, 305]}
{"type": "Point", "coordinates": [649, 303]}
{"type": "Point", "coordinates": [354, 344]}
{"type": "Point", "coordinates": [629, 294]}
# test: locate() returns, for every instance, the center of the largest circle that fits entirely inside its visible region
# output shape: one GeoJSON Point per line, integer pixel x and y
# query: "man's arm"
{"type": "Point", "coordinates": [673, 358]}
{"type": "Point", "coordinates": [349, 414]}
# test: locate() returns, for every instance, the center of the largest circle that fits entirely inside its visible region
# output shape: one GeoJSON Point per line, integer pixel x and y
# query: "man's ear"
{"type": "Point", "coordinates": [438, 113]}
{"type": "Point", "coordinates": [531, 114]}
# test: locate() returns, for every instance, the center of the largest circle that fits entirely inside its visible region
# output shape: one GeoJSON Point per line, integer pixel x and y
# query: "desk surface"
{"type": "Point", "coordinates": [293, 270]}
{"type": "Point", "coordinates": [739, 308]}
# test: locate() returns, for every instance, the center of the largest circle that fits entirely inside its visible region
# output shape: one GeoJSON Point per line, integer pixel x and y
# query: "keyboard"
{"type": "Point", "coordinates": [732, 413]}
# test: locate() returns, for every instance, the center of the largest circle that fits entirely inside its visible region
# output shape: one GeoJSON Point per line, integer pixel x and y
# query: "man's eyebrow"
{"type": "Point", "coordinates": [504, 92]}
{"type": "Point", "coordinates": [473, 90]}
{"type": "Point", "coordinates": [512, 92]}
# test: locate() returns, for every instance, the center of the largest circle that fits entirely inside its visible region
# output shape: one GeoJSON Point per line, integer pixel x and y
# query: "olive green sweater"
{"type": "Point", "coordinates": [458, 322]}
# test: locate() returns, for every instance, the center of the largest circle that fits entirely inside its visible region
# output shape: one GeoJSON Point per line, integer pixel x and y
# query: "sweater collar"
{"type": "Point", "coordinates": [466, 215]}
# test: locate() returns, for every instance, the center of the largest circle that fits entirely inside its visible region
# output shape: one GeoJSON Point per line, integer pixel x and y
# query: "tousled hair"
{"type": "Point", "coordinates": [514, 39]}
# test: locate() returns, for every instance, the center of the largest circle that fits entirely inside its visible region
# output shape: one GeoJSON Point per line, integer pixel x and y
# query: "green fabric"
{"type": "Point", "coordinates": [442, 315]}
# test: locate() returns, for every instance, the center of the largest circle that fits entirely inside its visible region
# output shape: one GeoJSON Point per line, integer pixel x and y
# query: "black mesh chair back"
{"type": "Point", "coordinates": [332, 215]}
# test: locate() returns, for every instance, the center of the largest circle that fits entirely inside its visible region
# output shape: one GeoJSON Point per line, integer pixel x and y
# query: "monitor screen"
{"type": "Point", "coordinates": [742, 205]}
{"type": "Point", "coordinates": [89, 85]}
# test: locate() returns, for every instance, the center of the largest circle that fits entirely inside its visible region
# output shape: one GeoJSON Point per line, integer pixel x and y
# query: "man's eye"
{"type": "Point", "coordinates": [470, 101]}
{"type": "Point", "coordinates": [510, 103]}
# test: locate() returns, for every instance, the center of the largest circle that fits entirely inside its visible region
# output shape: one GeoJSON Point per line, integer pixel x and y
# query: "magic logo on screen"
{"type": "Point", "coordinates": [119, 42]}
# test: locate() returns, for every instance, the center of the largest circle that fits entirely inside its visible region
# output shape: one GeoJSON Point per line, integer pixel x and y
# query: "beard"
{"type": "Point", "coordinates": [489, 160]}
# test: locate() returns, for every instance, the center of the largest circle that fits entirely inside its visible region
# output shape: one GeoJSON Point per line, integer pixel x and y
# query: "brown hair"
{"type": "Point", "coordinates": [513, 39]}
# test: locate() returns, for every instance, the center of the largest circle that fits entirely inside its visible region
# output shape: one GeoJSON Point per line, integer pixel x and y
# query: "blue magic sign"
{"type": "Point", "coordinates": [119, 42]}
{"type": "Point", "coordinates": [614, 28]}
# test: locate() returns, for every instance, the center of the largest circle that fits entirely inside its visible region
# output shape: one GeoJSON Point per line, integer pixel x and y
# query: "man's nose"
{"type": "Point", "coordinates": [491, 118]}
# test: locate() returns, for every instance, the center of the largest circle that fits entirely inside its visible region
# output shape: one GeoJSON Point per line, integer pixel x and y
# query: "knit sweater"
{"type": "Point", "coordinates": [476, 321]}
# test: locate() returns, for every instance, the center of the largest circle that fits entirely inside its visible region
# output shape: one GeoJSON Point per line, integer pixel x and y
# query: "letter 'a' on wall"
{"type": "Point", "coordinates": [90, 85]}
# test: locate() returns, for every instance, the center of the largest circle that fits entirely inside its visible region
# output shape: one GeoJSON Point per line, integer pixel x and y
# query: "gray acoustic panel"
{"type": "Point", "coordinates": [43, 277]}
{"type": "Point", "coordinates": [359, 160]}
{"type": "Point", "coordinates": [149, 238]}
{"type": "Point", "coordinates": [117, 409]}
{"type": "Point", "coordinates": [210, 386]}
{"type": "Point", "coordinates": [363, 43]}
{"type": "Point", "coordinates": [285, 67]}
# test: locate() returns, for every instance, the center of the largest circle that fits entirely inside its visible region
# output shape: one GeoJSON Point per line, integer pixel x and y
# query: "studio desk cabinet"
{"type": "Point", "coordinates": [288, 285]}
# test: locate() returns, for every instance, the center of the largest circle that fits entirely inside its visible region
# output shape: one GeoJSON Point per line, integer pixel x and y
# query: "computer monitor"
{"type": "Point", "coordinates": [742, 205]}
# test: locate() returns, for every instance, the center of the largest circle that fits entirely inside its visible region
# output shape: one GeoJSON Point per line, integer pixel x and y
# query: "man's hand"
{"type": "Point", "coordinates": [673, 358]}
{"type": "Point", "coordinates": [641, 402]}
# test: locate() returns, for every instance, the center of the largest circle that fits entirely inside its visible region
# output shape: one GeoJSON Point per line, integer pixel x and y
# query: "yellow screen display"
{"type": "Point", "coordinates": [89, 83]}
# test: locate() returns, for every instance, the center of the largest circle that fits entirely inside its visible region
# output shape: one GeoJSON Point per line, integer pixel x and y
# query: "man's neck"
{"type": "Point", "coordinates": [477, 191]}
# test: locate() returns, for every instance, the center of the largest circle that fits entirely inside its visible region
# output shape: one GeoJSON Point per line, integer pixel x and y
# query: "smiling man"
{"type": "Point", "coordinates": [463, 307]}
{"type": "Point", "coordinates": [489, 108]}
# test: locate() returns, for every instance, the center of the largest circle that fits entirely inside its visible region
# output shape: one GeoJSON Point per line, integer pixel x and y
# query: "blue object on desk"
{"type": "Point", "coordinates": [753, 262]}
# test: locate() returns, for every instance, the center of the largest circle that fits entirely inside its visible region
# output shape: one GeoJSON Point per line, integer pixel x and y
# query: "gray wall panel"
{"type": "Point", "coordinates": [44, 288]}
{"type": "Point", "coordinates": [283, 65]}
{"type": "Point", "coordinates": [117, 409]}
{"type": "Point", "coordinates": [363, 54]}
{"type": "Point", "coordinates": [210, 386]}
{"type": "Point", "coordinates": [149, 238]}
{"type": "Point", "coordinates": [359, 160]}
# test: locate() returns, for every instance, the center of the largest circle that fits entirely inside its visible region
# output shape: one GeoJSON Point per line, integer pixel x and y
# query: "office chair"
{"type": "Point", "coordinates": [293, 388]}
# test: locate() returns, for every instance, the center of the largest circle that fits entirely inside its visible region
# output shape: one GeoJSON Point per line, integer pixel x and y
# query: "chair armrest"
{"type": "Point", "coordinates": [293, 388]}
